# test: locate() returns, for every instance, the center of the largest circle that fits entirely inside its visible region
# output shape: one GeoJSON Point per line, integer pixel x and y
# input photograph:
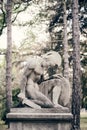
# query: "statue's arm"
{"type": "Point", "coordinates": [23, 84]}
{"type": "Point", "coordinates": [24, 79]}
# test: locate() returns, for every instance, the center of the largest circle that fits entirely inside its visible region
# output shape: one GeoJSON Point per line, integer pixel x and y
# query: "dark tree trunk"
{"type": "Point", "coordinates": [9, 56]}
{"type": "Point", "coordinates": [76, 95]}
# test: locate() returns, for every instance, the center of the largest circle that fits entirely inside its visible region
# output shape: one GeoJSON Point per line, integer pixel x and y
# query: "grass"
{"type": "Point", "coordinates": [2, 126]}
{"type": "Point", "coordinates": [83, 121]}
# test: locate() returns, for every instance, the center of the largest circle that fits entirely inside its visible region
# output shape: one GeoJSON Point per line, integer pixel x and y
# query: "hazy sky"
{"type": "Point", "coordinates": [19, 33]}
{"type": "Point", "coordinates": [17, 37]}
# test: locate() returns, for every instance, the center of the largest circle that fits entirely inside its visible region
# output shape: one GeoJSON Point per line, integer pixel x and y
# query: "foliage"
{"type": "Point", "coordinates": [16, 103]}
{"type": "Point", "coordinates": [83, 17]}
{"type": "Point", "coordinates": [2, 87]}
{"type": "Point", "coordinates": [15, 85]}
{"type": "Point", "coordinates": [84, 89]}
{"type": "Point", "coordinates": [18, 7]}
{"type": "Point", "coordinates": [84, 73]}
{"type": "Point", "coordinates": [15, 92]}
{"type": "Point", "coordinates": [51, 15]}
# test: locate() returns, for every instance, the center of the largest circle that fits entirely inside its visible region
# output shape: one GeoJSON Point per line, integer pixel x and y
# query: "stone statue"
{"type": "Point", "coordinates": [36, 85]}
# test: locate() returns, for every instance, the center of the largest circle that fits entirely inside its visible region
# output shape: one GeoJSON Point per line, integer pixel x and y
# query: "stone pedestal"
{"type": "Point", "coordinates": [43, 119]}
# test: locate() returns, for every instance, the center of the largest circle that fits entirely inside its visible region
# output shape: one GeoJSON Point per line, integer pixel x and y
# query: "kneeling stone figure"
{"type": "Point", "coordinates": [31, 95]}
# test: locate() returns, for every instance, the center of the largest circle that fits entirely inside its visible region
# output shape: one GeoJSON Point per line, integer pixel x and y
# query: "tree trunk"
{"type": "Point", "coordinates": [9, 57]}
{"type": "Point", "coordinates": [65, 43]}
{"type": "Point", "coordinates": [76, 68]}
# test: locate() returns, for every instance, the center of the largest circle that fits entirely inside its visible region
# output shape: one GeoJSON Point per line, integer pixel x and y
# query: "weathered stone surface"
{"type": "Point", "coordinates": [43, 110]}
{"type": "Point", "coordinates": [31, 104]}
{"type": "Point", "coordinates": [28, 119]}
{"type": "Point", "coordinates": [40, 126]}
{"type": "Point", "coordinates": [45, 88]}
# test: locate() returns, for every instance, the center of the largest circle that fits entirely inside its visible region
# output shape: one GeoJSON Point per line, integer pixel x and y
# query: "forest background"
{"type": "Point", "coordinates": [37, 27]}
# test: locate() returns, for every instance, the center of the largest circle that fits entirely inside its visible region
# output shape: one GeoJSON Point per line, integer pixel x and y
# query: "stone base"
{"type": "Point", "coordinates": [43, 119]}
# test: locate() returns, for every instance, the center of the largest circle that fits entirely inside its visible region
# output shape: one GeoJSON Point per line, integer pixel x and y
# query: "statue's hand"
{"type": "Point", "coordinates": [21, 96]}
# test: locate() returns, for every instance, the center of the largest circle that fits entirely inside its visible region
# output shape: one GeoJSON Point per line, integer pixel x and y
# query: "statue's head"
{"type": "Point", "coordinates": [52, 59]}
{"type": "Point", "coordinates": [41, 64]}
